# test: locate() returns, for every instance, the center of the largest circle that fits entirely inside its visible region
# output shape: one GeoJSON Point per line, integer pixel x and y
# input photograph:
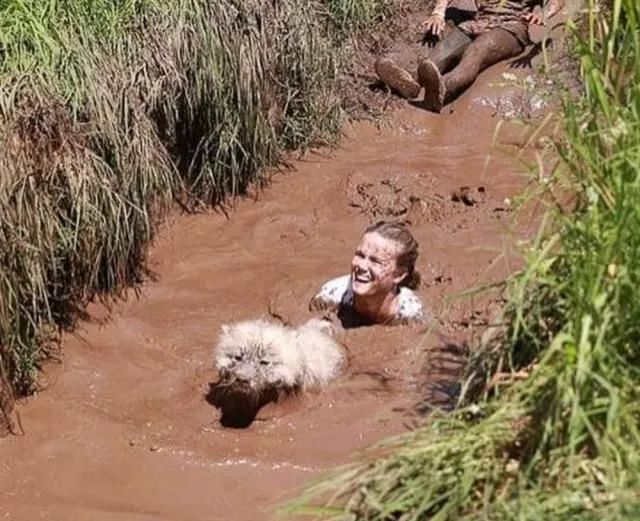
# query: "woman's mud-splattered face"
{"type": "Point", "coordinates": [374, 268]}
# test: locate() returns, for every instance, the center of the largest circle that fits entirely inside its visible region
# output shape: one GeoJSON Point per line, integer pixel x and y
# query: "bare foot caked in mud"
{"type": "Point", "coordinates": [397, 78]}
{"type": "Point", "coordinates": [259, 361]}
{"type": "Point", "coordinates": [434, 87]}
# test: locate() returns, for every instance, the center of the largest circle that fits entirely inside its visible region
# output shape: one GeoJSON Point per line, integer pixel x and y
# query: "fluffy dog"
{"type": "Point", "coordinates": [259, 360]}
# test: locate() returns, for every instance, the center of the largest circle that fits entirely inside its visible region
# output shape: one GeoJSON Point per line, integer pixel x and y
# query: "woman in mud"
{"type": "Point", "coordinates": [498, 31]}
{"type": "Point", "coordinates": [379, 289]}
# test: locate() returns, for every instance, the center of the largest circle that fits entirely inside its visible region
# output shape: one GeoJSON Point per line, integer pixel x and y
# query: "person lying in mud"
{"type": "Point", "coordinates": [498, 31]}
{"type": "Point", "coordinates": [379, 289]}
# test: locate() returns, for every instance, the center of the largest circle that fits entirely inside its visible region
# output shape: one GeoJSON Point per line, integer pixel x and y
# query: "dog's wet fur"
{"type": "Point", "coordinates": [261, 361]}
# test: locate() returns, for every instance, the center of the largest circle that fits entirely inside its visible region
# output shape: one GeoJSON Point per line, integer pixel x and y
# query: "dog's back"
{"type": "Point", "coordinates": [323, 356]}
{"type": "Point", "coordinates": [268, 354]}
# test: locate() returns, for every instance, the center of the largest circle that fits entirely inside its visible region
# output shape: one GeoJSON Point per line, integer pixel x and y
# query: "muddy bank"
{"type": "Point", "coordinates": [123, 430]}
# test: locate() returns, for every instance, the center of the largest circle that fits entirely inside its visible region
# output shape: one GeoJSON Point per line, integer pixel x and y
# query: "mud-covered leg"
{"type": "Point", "coordinates": [449, 49]}
{"type": "Point", "coordinates": [444, 54]}
{"type": "Point", "coordinates": [487, 49]}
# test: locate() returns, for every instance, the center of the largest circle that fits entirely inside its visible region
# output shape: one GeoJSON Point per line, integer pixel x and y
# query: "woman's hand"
{"type": "Point", "coordinates": [539, 16]}
{"type": "Point", "coordinates": [535, 17]}
{"type": "Point", "coordinates": [434, 24]}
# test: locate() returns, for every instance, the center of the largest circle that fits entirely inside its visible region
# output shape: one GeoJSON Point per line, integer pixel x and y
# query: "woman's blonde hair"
{"type": "Point", "coordinates": [399, 233]}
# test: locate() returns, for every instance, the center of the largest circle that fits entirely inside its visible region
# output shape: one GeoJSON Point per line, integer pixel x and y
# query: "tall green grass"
{"type": "Point", "coordinates": [349, 15]}
{"type": "Point", "coordinates": [564, 444]}
{"type": "Point", "coordinates": [110, 111]}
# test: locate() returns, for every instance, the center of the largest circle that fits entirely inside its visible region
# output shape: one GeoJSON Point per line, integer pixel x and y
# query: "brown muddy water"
{"type": "Point", "coordinates": [123, 429]}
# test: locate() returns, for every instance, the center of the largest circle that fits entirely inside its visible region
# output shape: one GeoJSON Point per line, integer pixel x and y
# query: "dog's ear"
{"type": "Point", "coordinates": [225, 329]}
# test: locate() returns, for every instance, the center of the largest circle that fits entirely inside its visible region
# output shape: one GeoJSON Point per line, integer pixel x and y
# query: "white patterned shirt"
{"type": "Point", "coordinates": [337, 294]}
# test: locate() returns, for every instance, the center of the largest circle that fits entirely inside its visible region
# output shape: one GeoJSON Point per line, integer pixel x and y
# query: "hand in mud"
{"type": "Point", "coordinates": [434, 24]}
{"type": "Point", "coordinates": [536, 17]}
{"type": "Point", "coordinates": [526, 60]}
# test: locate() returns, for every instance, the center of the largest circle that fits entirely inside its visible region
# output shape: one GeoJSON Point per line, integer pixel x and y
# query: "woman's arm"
{"type": "Point", "coordinates": [539, 16]}
{"type": "Point", "coordinates": [552, 8]}
{"type": "Point", "coordinates": [435, 22]}
{"type": "Point", "coordinates": [330, 294]}
{"type": "Point", "coordinates": [440, 8]}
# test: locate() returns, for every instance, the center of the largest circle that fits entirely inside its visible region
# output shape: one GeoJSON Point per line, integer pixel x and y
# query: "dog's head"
{"type": "Point", "coordinates": [257, 356]}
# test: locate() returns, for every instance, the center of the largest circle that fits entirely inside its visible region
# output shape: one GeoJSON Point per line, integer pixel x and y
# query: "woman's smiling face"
{"type": "Point", "coordinates": [374, 268]}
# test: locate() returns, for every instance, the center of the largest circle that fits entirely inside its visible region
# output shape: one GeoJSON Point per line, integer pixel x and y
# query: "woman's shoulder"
{"type": "Point", "coordinates": [330, 293]}
{"type": "Point", "coordinates": [409, 305]}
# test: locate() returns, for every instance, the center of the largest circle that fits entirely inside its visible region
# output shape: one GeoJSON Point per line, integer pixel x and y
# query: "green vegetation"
{"type": "Point", "coordinates": [563, 444]}
{"type": "Point", "coordinates": [112, 110]}
{"type": "Point", "coordinates": [348, 15]}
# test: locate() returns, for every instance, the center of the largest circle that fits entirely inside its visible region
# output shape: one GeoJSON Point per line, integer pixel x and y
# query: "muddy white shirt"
{"type": "Point", "coordinates": [337, 294]}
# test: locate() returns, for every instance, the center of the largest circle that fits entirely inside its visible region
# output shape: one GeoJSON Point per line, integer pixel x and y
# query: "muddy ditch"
{"type": "Point", "coordinates": [124, 428]}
